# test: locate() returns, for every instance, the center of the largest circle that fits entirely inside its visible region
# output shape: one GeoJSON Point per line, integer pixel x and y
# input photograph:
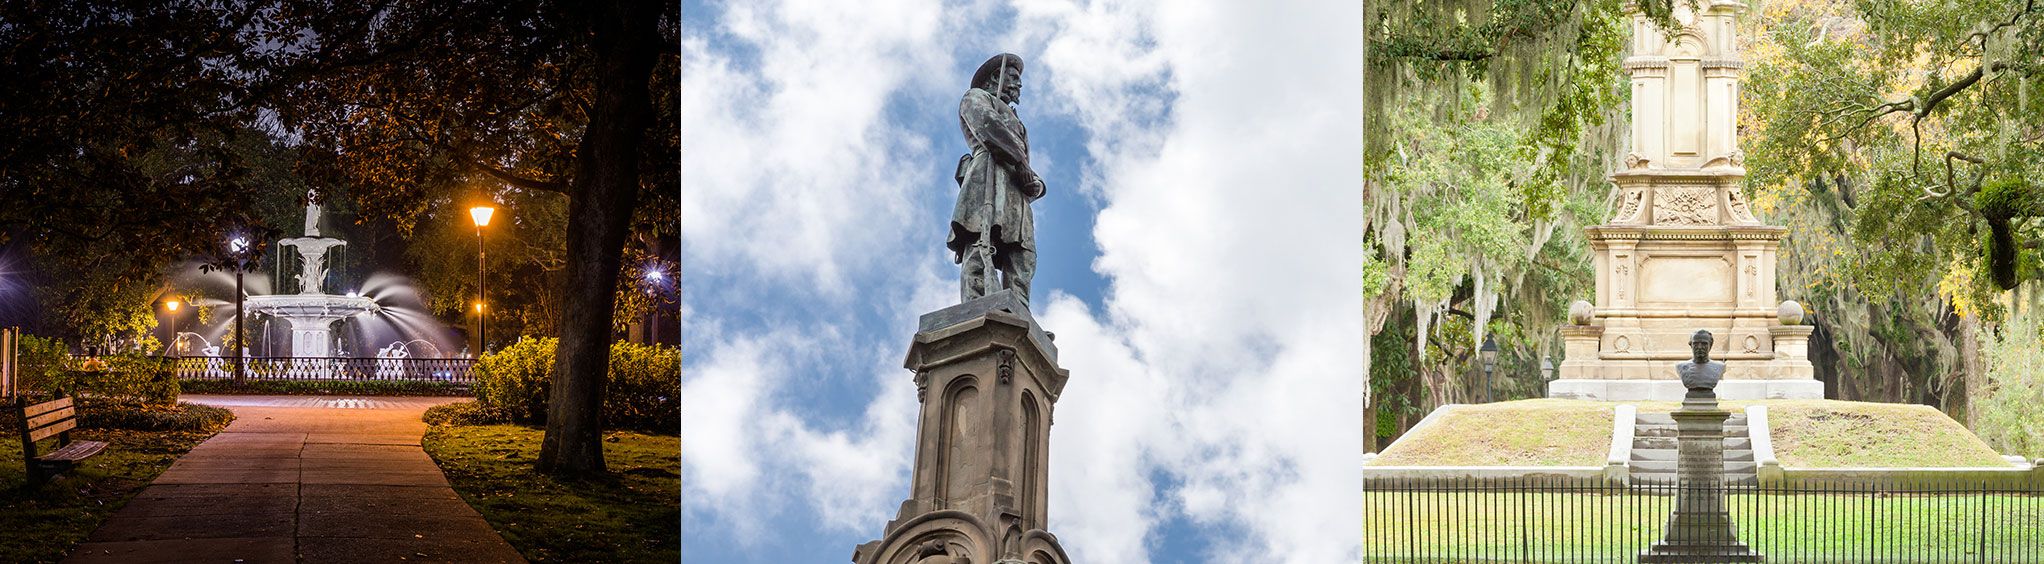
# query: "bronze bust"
{"type": "Point", "coordinates": [1700, 372]}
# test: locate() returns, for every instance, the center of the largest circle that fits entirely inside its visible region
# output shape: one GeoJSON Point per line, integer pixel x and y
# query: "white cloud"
{"type": "Point", "coordinates": [1231, 233]}
{"type": "Point", "coordinates": [1222, 143]}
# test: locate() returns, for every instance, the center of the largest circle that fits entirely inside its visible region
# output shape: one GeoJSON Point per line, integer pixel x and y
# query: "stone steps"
{"type": "Point", "coordinates": [1655, 450]}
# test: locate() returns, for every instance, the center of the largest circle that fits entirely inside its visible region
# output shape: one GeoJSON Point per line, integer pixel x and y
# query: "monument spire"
{"type": "Point", "coordinates": [1682, 249]}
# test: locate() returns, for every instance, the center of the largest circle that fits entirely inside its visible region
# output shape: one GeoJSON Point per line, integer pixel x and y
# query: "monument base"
{"type": "Point", "coordinates": [1672, 390]}
{"type": "Point", "coordinates": [986, 381]}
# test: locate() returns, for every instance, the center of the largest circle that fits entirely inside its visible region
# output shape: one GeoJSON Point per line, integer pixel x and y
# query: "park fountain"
{"type": "Point", "coordinates": [311, 312]}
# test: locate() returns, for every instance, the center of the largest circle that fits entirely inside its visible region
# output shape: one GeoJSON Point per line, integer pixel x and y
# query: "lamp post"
{"type": "Point", "coordinates": [1489, 354]}
{"type": "Point", "coordinates": [481, 215]}
{"type": "Point", "coordinates": [1546, 374]}
{"type": "Point", "coordinates": [654, 276]}
{"type": "Point", "coordinates": [238, 248]}
{"type": "Point", "coordinates": [172, 306]}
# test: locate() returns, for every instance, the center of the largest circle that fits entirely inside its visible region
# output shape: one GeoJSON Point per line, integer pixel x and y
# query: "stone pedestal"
{"type": "Point", "coordinates": [1700, 530]}
{"type": "Point", "coordinates": [987, 380]}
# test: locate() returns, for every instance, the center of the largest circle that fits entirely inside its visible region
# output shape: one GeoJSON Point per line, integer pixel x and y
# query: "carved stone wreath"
{"type": "Point", "coordinates": [1686, 205]}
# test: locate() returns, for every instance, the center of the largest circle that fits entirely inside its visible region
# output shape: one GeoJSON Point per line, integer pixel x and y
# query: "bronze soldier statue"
{"type": "Point", "coordinates": [992, 229]}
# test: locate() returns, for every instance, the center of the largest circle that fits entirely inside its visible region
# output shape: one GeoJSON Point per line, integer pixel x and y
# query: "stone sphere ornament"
{"type": "Point", "coordinates": [1790, 313]}
{"type": "Point", "coordinates": [1581, 312]}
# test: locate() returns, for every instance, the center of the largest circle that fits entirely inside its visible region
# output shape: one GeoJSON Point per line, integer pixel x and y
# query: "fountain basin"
{"type": "Point", "coordinates": [311, 317]}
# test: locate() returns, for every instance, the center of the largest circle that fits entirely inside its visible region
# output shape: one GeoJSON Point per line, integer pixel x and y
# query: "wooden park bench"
{"type": "Point", "coordinates": [40, 421]}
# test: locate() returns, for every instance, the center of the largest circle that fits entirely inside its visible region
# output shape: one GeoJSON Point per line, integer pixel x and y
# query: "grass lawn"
{"type": "Point", "coordinates": [43, 523]}
{"type": "Point", "coordinates": [1806, 433]}
{"type": "Point", "coordinates": [1555, 527]}
{"type": "Point", "coordinates": [631, 515]}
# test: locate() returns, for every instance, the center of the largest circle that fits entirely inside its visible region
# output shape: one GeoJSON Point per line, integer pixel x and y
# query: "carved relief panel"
{"type": "Point", "coordinates": [1685, 205]}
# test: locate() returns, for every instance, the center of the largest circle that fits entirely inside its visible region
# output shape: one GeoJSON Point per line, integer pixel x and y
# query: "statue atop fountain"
{"type": "Point", "coordinates": [312, 312]}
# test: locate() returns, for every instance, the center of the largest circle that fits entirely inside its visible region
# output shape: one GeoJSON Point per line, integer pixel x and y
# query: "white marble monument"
{"type": "Point", "coordinates": [1682, 250]}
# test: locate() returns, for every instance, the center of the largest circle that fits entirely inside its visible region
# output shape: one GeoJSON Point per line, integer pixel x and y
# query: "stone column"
{"type": "Point", "coordinates": [1700, 530]}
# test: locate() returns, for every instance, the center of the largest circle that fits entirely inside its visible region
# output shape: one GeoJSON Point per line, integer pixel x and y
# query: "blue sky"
{"type": "Point", "coordinates": [1199, 258]}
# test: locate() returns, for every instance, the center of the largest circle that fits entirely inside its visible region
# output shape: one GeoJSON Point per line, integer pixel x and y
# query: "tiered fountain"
{"type": "Point", "coordinates": [311, 312]}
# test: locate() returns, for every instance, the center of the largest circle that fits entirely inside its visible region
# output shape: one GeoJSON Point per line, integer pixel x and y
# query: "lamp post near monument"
{"type": "Point", "coordinates": [1700, 529]}
{"type": "Point", "coordinates": [986, 374]}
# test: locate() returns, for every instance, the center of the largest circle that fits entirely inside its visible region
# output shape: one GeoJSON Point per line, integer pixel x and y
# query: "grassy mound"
{"type": "Point", "coordinates": [1538, 432]}
{"type": "Point", "coordinates": [631, 514]}
{"type": "Point", "coordinates": [1834, 434]}
{"type": "Point", "coordinates": [1806, 433]}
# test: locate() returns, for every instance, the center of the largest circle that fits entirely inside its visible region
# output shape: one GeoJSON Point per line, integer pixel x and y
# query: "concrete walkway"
{"type": "Point", "coordinates": [302, 479]}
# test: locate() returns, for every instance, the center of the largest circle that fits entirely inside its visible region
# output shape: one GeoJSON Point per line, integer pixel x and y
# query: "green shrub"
{"type": "Point", "coordinates": [514, 380]}
{"type": "Point", "coordinates": [104, 414]}
{"type": "Point", "coordinates": [464, 413]}
{"type": "Point", "coordinates": [642, 391]}
{"type": "Point", "coordinates": [42, 364]}
{"type": "Point", "coordinates": [133, 377]}
{"type": "Point", "coordinates": [47, 368]}
{"type": "Point", "coordinates": [2011, 416]}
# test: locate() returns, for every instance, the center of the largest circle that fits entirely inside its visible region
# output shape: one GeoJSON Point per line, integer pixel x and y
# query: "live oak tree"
{"type": "Point", "coordinates": [410, 106]}
{"type": "Point", "coordinates": [1488, 132]}
{"type": "Point", "coordinates": [1925, 118]}
{"type": "Point", "coordinates": [1901, 144]}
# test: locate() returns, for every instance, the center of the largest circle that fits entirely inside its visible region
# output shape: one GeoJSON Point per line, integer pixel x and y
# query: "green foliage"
{"type": "Point", "coordinates": [1393, 379]}
{"type": "Point", "coordinates": [1919, 115]}
{"type": "Point", "coordinates": [641, 392]}
{"type": "Point", "coordinates": [1557, 62]}
{"type": "Point", "coordinates": [515, 380]}
{"type": "Point", "coordinates": [644, 391]}
{"type": "Point", "coordinates": [2011, 417]}
{"type": "Point", "coordinates": [180, 416]}
{"type": "Point", "coordinates": [42, 362]}
{"type": "Point", "coordinates": [133, 377]}
{"type": "Point", "coordinates": [463, 413]}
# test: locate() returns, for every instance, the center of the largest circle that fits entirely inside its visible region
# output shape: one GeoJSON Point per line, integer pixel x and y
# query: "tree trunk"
{"type": "Point", "coordinates": [605, 187]}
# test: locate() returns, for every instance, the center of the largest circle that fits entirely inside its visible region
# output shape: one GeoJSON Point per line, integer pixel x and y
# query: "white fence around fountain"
{"type": "Point", "coordinates": [453, 370]}
{"type": "Point", "coordinates": [449, 370]}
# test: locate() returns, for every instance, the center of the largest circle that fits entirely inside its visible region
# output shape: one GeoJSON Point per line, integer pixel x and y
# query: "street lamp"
{"type": "Point", "coordinates": [654, 276]}
{"type": "Point", "coordinates": [1489, 354]}
{"type": "Point", "coordinates": [172, 306]}
{"type": "Point", "coordinates": [481, 215]}
{"type": "Point", "coordinates": [1546, 373]}
{"type": "Point", "coordinates": [237, 248]}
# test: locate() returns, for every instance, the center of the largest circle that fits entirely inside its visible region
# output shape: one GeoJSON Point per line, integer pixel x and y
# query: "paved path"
{"type": "Point", "coordinates": [302, 479]}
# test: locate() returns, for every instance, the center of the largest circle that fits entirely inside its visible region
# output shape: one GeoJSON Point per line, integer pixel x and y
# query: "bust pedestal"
{"type": "Point", "coordinates": [1700, 530]}
{"type": "Point", "coordinates": [987, 380]}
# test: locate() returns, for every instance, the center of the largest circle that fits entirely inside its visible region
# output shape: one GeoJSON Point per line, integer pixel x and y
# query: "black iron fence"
{"type": "Point", "coordinates": [1590, 520]}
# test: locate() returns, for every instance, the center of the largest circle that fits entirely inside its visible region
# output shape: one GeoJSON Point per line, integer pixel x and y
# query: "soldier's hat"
{"type": "Point", "coordinates": [987, 70]}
